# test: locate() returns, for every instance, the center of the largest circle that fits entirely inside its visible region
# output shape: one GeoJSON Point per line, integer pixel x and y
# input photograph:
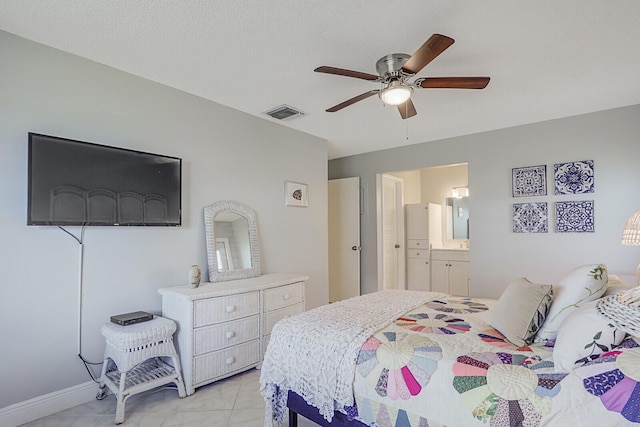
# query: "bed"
{"type": "Point", "coordinates": [406, 358]}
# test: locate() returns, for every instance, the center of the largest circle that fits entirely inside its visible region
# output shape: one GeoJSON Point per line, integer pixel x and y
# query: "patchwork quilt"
{"type": "Point", "coordinates": [442, 364]}
{"type": "Point", "coordinates": [439, 363]}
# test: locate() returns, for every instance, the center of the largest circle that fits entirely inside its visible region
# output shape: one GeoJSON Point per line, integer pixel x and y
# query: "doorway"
{"type": "Point", "coordinates": [390, 218]}
{"type": "Point", "coordinates": [425, 185]}
{"type": "Point", "coordinates": [344, 238]}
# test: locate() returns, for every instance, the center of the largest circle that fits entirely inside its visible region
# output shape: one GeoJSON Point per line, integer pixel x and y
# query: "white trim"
{"type": "Point", "coordinates": [47, 404]}
{"type": "Point", "coordinates": [379, 251]}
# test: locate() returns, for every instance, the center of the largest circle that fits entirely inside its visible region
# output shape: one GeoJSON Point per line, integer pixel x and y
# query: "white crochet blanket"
{"type": "Point", "coordinates": [314, 353]}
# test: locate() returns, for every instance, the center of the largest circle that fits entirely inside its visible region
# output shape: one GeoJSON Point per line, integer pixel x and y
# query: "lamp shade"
{"type": "Point", "coordinates": [395, 93]}
{"type": "Point", "coordinates": [631, 232]}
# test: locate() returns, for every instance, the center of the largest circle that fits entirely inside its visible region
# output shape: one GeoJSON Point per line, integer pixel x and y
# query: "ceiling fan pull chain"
{"type": "Point", "coordinates": [407, 123]}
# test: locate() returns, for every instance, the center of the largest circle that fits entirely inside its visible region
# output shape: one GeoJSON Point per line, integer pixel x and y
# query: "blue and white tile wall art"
{"type": "Point", "coordinates": [575, 217]}
{"type": "Point", "coordinates": [574, 177]}
{"type": "Point", "coordinates": [529, 181]}
{"type": "Point", "coordinates": [530, 217]}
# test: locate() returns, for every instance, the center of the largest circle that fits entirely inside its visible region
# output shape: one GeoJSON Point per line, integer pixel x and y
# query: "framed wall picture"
{"type": "Point", "coordinates": [574, 177]}
{"type": "Point", "coordinates": [530, 217]}
{"type": "Point", "coordinates": [529, 181]}
{"type": "Point", "coordinates": [295, 194]}
{"type": "Point", "coordinates": [575, 217]}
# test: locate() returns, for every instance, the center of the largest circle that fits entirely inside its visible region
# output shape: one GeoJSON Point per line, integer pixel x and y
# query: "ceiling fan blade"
{"type": "Point", "coordinates": [453, 82]}
{"type": "Point", "coordinates": [434, 46]}
{"type": "Point", "coordinates": [407, 109]}
{"type": "Point", "coordinates": [352, 101]}
{"type": "Point", "coordinates": [347, 73]}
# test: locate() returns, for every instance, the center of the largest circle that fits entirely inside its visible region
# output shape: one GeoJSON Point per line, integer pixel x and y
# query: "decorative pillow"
{"type": "Point", "coordinates": [615, 285]}
{"type": "Point", "coordinates": [521, 310]}
{"type": "Point", "coordinates": [583, 336]}
{"type": "Point", "coordinates": [584, 284]}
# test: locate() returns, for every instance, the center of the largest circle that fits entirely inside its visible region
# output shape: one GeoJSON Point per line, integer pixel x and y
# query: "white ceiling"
{"type": "Point", "coordinates": [546, 58]}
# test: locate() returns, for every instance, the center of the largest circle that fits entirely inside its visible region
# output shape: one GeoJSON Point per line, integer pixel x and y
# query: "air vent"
{"type": "Point", "coordinates": [284, 112]}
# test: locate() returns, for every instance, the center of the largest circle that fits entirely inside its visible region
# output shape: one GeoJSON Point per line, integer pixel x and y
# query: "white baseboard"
{"type": "Point", "coordinates": [41, 406]}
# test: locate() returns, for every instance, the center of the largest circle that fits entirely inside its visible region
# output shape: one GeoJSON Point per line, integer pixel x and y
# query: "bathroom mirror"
{"type": "Point", "coordinates": [457, 218]}
{"type": "Point", "coordinates": [232, 241]}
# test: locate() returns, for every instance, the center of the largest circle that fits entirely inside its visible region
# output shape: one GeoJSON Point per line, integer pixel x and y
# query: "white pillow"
{"type": "Point", "coordinates": [521, 311]}
{"type": "Point", "coordinates": [615, 285]}
{"type": "Point", "coordinates": [584, 284]}
{"type": "Point", "coordinates": [583, 336]}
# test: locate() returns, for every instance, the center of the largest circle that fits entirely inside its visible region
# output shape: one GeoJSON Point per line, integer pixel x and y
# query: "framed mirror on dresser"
{"type": "Point", "coordinates": [231, 232]}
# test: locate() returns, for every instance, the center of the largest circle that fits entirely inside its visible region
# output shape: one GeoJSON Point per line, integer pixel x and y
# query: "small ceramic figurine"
{"type": "Point", "coordinates": [194, 276]}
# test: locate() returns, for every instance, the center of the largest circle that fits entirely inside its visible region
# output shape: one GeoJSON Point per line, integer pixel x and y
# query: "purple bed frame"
{"type": "Point", "coordinates": [297, 405]}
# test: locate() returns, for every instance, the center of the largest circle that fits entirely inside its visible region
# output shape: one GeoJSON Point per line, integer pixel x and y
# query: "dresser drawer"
{"type": "Point", "coordinates": [222, 335]}
{"type": "Point", "coordinates": [450, 255]}
{"type": "Point", "coordinates": [272, 317]}
{"type": "Point", "coordinates": [212, 365]}
{"type": "Point", "coordinates": [223, 309]}
{"type": "Point", "coordinates": [417, 244]}
{"type": "Point", "coordinates": [283, 296]}
{"type": "Point", "coordinates": [418, 253]}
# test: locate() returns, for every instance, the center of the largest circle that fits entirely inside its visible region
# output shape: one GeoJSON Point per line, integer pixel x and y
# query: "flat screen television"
{"type": "Point", "coordinates": [80, 183]}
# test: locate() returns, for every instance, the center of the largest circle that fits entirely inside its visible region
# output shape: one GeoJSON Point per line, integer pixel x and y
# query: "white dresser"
{"type": "Point", "coordinates": [224, 328]}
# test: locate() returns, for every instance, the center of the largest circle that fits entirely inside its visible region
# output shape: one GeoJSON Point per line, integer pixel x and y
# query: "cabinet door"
{"type": "Point", "coordinates": [417, 222]}
{"type": "Point", "coordinates": [440, 276]}
{"type": "Point", "coordinates": [418, 274]}
{"type": "Point", "coordinates": [459, 278]}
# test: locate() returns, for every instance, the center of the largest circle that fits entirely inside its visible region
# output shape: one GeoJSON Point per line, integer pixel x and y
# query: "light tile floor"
{"type": "Point", "coordinates": [233, 402]}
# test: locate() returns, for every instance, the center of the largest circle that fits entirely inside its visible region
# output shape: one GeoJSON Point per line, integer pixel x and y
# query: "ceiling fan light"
{"type": "Point", "coordinates": [396, 93]}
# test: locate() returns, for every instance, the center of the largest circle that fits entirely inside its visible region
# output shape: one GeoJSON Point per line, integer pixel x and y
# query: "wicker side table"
{"type": "Point", "coordinates": [133, 360]}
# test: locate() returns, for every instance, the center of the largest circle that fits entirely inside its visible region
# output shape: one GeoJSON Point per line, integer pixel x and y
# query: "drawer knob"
{"type": "Point", "coordinates": [230, 360]}
{"type": "Point", "coordinates": [285, 296]}
{"type": "Point", "coordinates": [230, 334]}
{"type": "Point", "coordinates": [231, 308]}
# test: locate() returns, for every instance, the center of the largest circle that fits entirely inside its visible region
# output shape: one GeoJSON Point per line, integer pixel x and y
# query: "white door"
{"type": "Point", "coordinates": [344, 238]}
{"type": "Point", "coordinates": [391, 248]}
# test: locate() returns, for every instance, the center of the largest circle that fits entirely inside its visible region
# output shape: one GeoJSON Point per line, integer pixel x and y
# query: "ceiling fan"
{"type": "Point", "coordinates": [396, 69]}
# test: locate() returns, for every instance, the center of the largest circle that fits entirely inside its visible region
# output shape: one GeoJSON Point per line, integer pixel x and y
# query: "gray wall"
{"type": "Point", "coordinates": [610, 138]}
{"type": "Point", "coordinates": [226, 155]}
